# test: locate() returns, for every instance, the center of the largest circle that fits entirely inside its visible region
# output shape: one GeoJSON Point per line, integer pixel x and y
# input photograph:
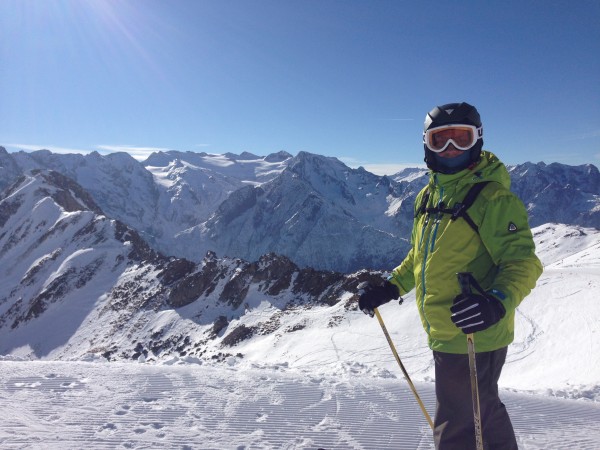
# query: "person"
{"type": "Point", "coordinates": [491, 240]}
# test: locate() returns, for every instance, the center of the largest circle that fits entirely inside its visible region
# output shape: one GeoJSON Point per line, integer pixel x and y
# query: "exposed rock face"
{"type": "Point", "coordinates": [67, 193]}
{"type": "Point", "coordinates": [193, 286]}
{"type": "Point", "coordinates": [241, 333]}
{"type": "Point", "coordinates": [274, 273]}
{"type": "Point", "coordinates": [219, 324]}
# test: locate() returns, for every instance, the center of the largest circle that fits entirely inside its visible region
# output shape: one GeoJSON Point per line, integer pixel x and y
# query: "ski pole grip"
{"type": "Point", "coordinates": [464, 280]}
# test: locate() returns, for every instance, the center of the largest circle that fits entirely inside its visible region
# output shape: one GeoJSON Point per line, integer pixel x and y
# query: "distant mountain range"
{"type": "Point", "coordinates": [191, 254]}
{"type": "Point", "coordinates": [312, 209]}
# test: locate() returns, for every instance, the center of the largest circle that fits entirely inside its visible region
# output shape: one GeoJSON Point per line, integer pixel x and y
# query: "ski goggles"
{"type": "Point", "coordinates": [463, 137]}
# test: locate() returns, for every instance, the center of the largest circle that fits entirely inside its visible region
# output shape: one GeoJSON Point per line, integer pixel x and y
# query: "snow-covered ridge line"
{"type": "Point", "coordinates": [306, 207]}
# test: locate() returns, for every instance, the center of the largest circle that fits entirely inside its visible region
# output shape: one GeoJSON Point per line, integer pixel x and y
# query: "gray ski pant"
{"type": "Point", "coordinates": [454, 427]}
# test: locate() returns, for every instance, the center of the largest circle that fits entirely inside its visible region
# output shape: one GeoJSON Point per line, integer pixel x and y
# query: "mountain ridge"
{"type": "Point", "coordinates": [64, 263]}
{"type": "Point", "coordinates": [306, 207]}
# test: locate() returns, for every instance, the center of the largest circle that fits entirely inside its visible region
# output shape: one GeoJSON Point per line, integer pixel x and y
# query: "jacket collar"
{"type": "Point", "coordinates": [488, 168]}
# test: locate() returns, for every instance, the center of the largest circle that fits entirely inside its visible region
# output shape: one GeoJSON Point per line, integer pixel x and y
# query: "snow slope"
{"type": "Point", "coordinates": [52, 405]}
{"type": "Point", "coordinates": [324, 379]}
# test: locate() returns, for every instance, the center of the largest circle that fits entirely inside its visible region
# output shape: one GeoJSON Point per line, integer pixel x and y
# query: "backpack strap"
{"type": "Point", "coordinates": [423, 206]}
{"type": "Point", "coordinates": [460, 209]}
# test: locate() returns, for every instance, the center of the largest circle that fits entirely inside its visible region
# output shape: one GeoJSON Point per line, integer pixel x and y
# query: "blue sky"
{"type": "Point", "coordinates": [350, 79]}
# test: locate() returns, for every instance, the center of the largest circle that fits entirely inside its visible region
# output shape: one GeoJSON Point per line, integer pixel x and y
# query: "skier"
{"type": "Point", "coordinates": [492, 240]}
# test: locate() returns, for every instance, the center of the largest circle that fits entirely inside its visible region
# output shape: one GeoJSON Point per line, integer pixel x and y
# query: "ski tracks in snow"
{"type": "Point", "coordinates": [53, 405]}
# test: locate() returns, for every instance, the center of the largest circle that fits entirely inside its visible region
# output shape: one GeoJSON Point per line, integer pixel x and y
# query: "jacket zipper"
{"type": "Point", "coordinates": [429, 247]}
{"type": "Point", "coordinates": [438, 219]}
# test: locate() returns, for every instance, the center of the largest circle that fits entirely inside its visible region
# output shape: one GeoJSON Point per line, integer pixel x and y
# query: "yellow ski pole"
{"type": "Point", "coordinates": [410, 383]}
{"type": "Point", "coordinates": [464, 279]}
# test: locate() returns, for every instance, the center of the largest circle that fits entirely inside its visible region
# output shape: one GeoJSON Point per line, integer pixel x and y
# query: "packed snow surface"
{"type": "Point", "coordinates": [76, 405]}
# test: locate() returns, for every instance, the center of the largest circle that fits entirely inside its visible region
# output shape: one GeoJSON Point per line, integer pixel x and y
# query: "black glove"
{"type": "Point", "coordinates": [474, 312]}
{"type": "Point", "coordinates": [371, 296]}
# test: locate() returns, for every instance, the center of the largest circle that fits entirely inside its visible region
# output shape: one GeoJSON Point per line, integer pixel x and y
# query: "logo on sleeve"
{"type": "Point", "coordinates": [498, 294]}
{"type": "Point", "coordinates": [512, 227]}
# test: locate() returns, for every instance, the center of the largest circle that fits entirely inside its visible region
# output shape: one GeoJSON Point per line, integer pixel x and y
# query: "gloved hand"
{"type": "Point", "coordinates": [372, 296]}
{"type": "Point", "coordinates": [474, 312]}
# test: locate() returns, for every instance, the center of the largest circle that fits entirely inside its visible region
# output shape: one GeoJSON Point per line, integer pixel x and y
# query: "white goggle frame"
{"type": "Point", "coordinates": [476, 132]}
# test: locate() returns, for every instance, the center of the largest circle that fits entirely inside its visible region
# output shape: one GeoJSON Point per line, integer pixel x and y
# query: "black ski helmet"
{"type": "Point", "coordinates": [452, 113]}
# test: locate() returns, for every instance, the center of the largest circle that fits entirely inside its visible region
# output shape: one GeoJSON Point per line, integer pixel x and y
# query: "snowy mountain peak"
{"type": "Point", "coordinates": [306, 163]}
{"type": "Point", "coordinates": [278, 157]}
{"type": "Point", "coordinates": [244, 156]}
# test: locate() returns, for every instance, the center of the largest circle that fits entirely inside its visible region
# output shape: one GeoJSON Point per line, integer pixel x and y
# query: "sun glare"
{"type": "Point", "coordinates": [107, 32]}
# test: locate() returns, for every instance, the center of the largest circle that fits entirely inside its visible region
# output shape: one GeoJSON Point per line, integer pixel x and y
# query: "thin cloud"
{"type": "Point", "coordinates": [390, 169]}
{"type": "Point", "coordinates": [139, 153]}
{"type": "Point", "coordinates": [350, 161]}
{"type": "Point", "coordinates": [380, 169]}
{"type": "Point", "coordinates": [52, 148]}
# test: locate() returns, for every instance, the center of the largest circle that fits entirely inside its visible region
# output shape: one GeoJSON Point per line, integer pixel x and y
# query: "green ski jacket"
{"type": "Point", "coordinates": [501, 255]}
